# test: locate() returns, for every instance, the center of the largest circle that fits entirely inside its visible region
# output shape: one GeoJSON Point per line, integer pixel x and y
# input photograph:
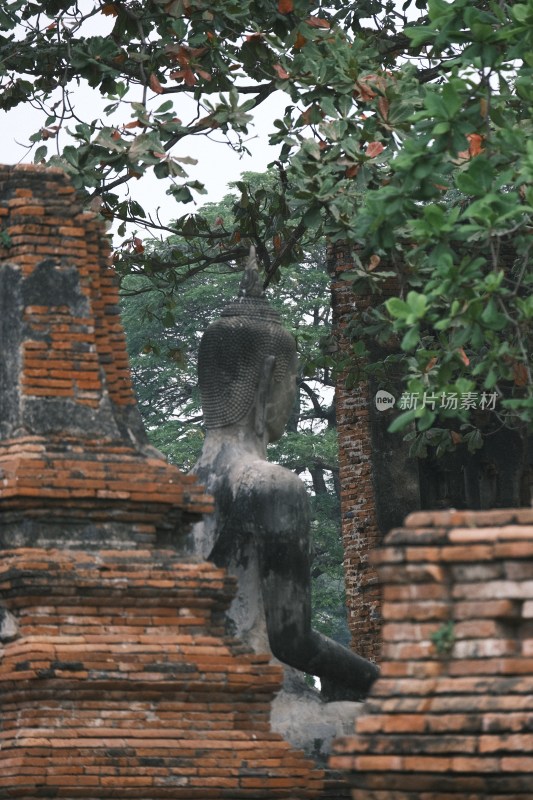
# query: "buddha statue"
{"type": "Point", "coordinates": [260, 530]}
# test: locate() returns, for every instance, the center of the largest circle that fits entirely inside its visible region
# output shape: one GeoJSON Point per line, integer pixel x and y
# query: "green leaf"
{"type": "Point", "coordinates": [520, 12]}
{"type": "Point", "coordinates": [166, 106]}
{"type": "Point", "coordinates": [7, 22]}
{"type": "Point", "coordinates": [441, 127]}
{"type": "Point", "coordinates": [451, 99]}
{"type": "Point", "coordinates": [402, 420]}
{"type": "Point", "coordinates": [313, 216]}
{"type": "Point", "coordinates": [180, 193]}
{"type": "Point", "coordinates": [419, 35]}
{"type": "Point", "coordinates": [417, 304]}
{"type": "Point", "coordinates": [477, 179]}
{"type": "Point", "coordinates": [492, 317]}
{"type": "Point", "coordinates": [474, 440]}
{"type": "Point", "coordinates": [411, 338]}
{"type": "Point", "coordinates": [426, 419]}
{"type": "Point", "coordinates": [71, 155]}
{"type": "Point", "coordinates": [435, 104]}
{"type": "Point", "coordinates": [40, 154]}
{"type": "Point", "coordinates": [397, 308]}
{"type": "Point", "coordinates": [141, 146]}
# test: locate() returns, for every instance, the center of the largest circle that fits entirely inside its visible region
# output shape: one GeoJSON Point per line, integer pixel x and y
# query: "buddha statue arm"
{"type": "Point", "coordinates": [281, 529]}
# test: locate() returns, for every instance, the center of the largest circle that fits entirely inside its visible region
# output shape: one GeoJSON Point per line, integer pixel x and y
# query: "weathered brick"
{"type": "Point", "coordinates": [452, 713]}
{"type": "Point", "coordinates": [121, 681]}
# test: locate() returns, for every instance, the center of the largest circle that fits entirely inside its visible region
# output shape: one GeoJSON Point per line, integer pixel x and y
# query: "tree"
{"type": "Point", "coordinates": [165, 315]}
{"type": "Point", "coordinates": [453, 214]}
{"type": "Point", "coordinates": [211, 60]}
{"type": "Point", "coordinates": [406, 134]}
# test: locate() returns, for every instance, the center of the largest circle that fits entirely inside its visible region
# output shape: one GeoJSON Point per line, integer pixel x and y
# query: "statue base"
{"type": "Point", "coordinates": [310, 724]}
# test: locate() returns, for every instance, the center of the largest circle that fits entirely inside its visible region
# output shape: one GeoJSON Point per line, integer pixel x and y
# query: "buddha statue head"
{"type": "Point", "coordinates": [247, 363]}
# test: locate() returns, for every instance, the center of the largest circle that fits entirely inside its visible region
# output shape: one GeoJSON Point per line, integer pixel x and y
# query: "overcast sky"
{"type": "Point", "coordinates": [217, 165]}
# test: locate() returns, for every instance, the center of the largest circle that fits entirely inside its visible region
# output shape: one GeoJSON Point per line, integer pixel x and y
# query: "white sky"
{"type": "Point", "coordinates": [217, 165]}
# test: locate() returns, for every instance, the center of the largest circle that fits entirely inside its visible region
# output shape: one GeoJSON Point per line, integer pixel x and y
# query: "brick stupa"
{"type": "Point", "coordinates": [451, 716]}
{"type": "Point", "coordinates": [116, 677]}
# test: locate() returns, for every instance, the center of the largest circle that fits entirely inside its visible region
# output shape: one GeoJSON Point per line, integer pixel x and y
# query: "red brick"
{"type": "Point", "coordinates": [461, 714]}
{"type": "Point", "coordinates": [121, 654]}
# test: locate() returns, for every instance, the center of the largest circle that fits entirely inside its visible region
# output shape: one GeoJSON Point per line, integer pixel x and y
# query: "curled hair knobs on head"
{"type": "Point", "coordinates": [233, 350]}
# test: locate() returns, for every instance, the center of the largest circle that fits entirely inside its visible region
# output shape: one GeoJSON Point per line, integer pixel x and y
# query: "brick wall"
{"type": "Point", "coordinates": [451, 715]}
{"type": "Point", "coordinates": [116, 677]}
{"type": "Point", "coordinates": [42, 221]}
{"type": "Point", "coordinates": [120, 683]}
{"type": "Point", "coordinates": [359, 527]}
{"type": "Point", "coordinates": [379, 482]}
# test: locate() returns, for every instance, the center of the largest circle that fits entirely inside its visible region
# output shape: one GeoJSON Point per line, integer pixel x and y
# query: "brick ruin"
{"type": "Point", "coordinates": [117, 679]}
{"type": "Point", "coordinates": [359, 527]}
{"type": "Point", "coordinates": [444, 603]}
{"type": "Point", "coordinates": [369, 508]}
{"type": "Point", "coordinates": [451, 716]}
{"type": "Point", "coordinates": [381, 484]}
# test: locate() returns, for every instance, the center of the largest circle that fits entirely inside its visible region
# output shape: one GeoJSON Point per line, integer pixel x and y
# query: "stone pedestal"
{"type": "Point", "coordinates": [452, 714]}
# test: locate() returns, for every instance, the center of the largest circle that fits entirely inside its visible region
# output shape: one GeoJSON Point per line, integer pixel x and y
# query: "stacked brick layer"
{"type": "Point", "coordinates": [360, 499]}
{"type": "Point", "coordinates": [452, 714]}
{"type": "Point", "coordinates": [70, 430]}
{"type": "Point", "coordinates": [89, 483]}
{"type": "Point", "coordinates": [121, 684]}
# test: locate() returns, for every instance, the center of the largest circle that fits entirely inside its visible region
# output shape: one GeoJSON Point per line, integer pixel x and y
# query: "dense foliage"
{"type": "Point", "coordinates": [407, 132]}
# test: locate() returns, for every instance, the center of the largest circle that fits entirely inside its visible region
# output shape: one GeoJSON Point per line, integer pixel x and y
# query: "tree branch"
{"type": "Point", "coordinates": [320, 412]}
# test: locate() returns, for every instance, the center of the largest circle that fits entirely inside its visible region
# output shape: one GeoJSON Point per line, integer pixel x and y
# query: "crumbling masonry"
{"type": "Point", "coordinates": [451, 716]}
{"type": "Point", "coordinates": [116, 677]}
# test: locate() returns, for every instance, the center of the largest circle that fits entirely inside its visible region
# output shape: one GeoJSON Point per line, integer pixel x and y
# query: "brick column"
{"type": "Point", "coordinates": [379, 482]}
{"type": "Point", "coordinates": [450, 717]}
{"type": "Point", "coordinates": [359, 525]}
{"type": "Point", "coordinates": [72, 444]}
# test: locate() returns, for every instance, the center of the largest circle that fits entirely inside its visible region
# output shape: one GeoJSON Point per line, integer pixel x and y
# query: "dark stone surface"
{"type": "Point", "coordinates": [260, 530]}
{"type": "Point", "coordinates": [493, 477]}
{"type": "Point", "coordinates": [395, 474]}
{"type": "Point", "coordinates": [49, 285]}
{"type": "Point", "coordinates": [55, 415]}
{"type": "Point", "coordinates": [10, 338]}
{"type": "Point", "coordinates": [19, 531]}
